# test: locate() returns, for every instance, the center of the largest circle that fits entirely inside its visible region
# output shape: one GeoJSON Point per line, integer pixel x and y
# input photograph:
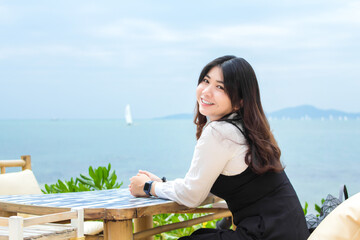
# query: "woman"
{"type": "Point", "coordinates": [236, 158]}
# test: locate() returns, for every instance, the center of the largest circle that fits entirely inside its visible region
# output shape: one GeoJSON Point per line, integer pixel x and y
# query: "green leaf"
{"type": "Point", "coordinates": [92, 173]}
{"type": "Point", "coordinates": [318, 208]}
{"type": "Point", "coordinates": [305, 208]}
{"type": "Point", "coordinates": [85, 177]}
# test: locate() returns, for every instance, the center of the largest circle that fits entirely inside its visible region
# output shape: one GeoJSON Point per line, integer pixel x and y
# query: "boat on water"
{"type": "Point", "coordinates": [128, 117]}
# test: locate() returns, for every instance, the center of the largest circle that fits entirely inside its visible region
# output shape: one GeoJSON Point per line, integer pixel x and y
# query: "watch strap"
{"type": "Point", "coordinates": [147, 187]}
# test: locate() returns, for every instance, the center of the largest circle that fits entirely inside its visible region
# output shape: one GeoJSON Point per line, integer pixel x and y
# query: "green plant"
{"type": "Point", "coordinates": [65, 186]}
{"type": "Point", "coordinates": [98, 179]}
{"type": "Point", "coordinates": [317, 208]}
{"type": "Point", "coordinates": [305, 208]}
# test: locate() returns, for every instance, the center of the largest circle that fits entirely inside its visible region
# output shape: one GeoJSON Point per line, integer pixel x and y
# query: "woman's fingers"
{"type": "Point", "coordinates": [145, 172]}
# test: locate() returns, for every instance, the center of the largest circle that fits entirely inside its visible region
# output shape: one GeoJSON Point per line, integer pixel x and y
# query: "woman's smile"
{"type": "Point", "coordinates": [206, 103]}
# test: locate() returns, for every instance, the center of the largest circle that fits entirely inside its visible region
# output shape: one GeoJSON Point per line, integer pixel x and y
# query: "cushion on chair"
{"type": "Point", "coordinates": [19, 183]}
{"type": "Point", "coordinates": [342, 223]}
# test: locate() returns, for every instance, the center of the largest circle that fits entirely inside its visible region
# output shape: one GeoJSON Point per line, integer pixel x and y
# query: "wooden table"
{"type": "Point", "coordinates": [116, 207]}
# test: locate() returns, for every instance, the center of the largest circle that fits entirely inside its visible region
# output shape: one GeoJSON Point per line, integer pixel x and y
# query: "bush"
{"type": "Point", "coordinates": [98, 179]}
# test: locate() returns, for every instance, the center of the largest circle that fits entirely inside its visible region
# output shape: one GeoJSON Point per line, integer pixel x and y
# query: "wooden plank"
{"type": "Point", "coordinates": [4, 221]}
{"type": "Point", "coordinates": [12, 163]}
{"type": "Point", "coordinates": [49, 218]}
{"type": "Point", "coordinates": [6, 213]}
{"type": "Point", "coordinates": [30, 209]}
{"type": "Point", "coordinates": [118, 230]}
{"type": "Point", "coordinates": [44, 232]}
{"type": "Point", "coordinates": [78, 221]}
{"type": "Point", "coordinates": [200, 210]}
{"type": "Point", "coordinates": [169, 227]}
{"type": "Point", "coordinates": [143, 223]}
{"type": "Point", "coordinates": [4, 238]}
{"type": "Point", "coordinates": [93, 237]}
{"type": "Point", "coordinates": [94, 213]}
{"type": "Point", "coordinates": [49, 231]}
{"type": "Point", "coordinates": [16, 228]}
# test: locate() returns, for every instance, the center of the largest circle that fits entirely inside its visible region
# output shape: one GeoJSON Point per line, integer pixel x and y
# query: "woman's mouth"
{"type": "Point", "coordinates": [206, 102]}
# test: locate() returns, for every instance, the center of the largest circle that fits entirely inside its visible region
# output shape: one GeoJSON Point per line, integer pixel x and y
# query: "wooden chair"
{"type": "Point", "coordinates": [24, 182]}
{"type": "Point", "coordinates": [24, 163]}
{"type": "Point", "coordinates": [42, 227]}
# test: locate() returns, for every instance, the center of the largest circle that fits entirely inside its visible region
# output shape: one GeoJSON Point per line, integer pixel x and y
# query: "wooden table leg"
{"type": "Point", "coordinates": [118, 230]}
{"type": "Point", "coordinates": [143, 223]}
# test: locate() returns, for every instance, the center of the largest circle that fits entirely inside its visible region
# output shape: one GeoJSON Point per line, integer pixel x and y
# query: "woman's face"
{"type": "Point", "coordinates": [214, 103]}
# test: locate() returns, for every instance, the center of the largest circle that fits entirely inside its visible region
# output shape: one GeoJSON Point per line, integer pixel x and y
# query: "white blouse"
{"type": "Point", "coordinates": [221, 149]}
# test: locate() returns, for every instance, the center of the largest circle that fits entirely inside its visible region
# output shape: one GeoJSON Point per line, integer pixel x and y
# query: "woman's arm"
{"type": "Point", "coordinates": [216, 146]}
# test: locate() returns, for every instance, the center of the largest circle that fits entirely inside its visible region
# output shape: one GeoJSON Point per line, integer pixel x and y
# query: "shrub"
{"type": "Point", "coordinates": [98, 179]}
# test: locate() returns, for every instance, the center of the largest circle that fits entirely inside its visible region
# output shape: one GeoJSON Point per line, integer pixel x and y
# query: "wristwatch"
{"type": "Point", "coordinates": [147, 187]}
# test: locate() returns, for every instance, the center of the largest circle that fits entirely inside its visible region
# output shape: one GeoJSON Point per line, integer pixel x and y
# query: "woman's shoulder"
{"type": "Point", "coordinates": [224, 130]}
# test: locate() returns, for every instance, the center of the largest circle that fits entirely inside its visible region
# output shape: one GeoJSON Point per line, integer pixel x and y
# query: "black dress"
{"type": "Point", "coordinates": [263, 207]}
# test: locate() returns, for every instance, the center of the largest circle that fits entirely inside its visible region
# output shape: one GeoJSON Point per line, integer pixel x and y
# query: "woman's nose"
{"type": "Point", "coordinates": [207, 90]}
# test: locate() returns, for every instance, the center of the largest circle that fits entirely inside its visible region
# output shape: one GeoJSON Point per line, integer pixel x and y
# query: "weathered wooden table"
{"type": "Point", "coordinates": [117, 208]}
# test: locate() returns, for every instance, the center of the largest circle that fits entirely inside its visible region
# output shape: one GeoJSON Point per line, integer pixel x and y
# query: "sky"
{"type": "Point", "coordinates": [89, 59]}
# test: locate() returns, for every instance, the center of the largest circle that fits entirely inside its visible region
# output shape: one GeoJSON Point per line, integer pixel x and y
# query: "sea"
{"type": "Point", "coordinates": [319, 155]}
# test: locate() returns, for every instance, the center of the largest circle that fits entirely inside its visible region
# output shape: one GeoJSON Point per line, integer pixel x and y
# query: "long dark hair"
{"type": "Point", "coordinates": [241, 86]}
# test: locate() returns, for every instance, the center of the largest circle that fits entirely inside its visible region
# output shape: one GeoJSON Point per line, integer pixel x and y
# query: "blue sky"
{"type": "Point", "coordinates": [88, 59]}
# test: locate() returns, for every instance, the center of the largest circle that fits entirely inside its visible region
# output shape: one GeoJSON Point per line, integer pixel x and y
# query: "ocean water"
{"type": "Point", "coordinates": [319, 156]}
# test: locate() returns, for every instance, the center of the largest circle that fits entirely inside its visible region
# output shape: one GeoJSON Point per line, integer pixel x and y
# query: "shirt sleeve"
{"type": "Point", "coordinates": [212, 152]}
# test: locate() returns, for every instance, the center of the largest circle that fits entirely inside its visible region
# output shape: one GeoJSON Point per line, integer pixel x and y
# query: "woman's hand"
{"type": "Point", "coordinates": [152, 176]}
{"type": "Point", "coordinates": [137, 183]}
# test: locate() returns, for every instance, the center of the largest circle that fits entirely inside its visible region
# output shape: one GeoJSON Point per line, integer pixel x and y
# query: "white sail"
{"type": "Point", "coordinates": [128, 117]}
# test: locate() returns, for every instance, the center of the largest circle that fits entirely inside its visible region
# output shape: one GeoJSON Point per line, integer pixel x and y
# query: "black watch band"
{"type": "Point", "coordinates": [147, 187]}
{"type": "Point", "coordinates": [163, 179]}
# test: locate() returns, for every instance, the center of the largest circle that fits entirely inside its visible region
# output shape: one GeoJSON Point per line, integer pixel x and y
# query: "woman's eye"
{"type": "Point", "coordinates": [220, 87]}
{"type": "Point", "coordinates": [206, 81]}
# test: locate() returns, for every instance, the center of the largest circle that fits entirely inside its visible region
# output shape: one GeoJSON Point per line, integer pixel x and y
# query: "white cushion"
{"type": "Point", "coordinates": [93, 227]}
{"type": "Point", "coordinates": [19, 183]}
{"type": "Point", "coordinates": [342, 223]}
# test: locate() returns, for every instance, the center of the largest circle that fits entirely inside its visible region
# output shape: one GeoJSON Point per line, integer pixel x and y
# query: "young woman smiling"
{"type": "Point", "coordinates": [236, 158]}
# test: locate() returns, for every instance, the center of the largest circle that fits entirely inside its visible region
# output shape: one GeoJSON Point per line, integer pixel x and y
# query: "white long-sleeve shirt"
{"type": "Point", "coordinates": [221, 149]}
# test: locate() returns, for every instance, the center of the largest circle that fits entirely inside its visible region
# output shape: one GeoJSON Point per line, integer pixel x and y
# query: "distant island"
{"type": "Point", "coordinates": [303, 112]}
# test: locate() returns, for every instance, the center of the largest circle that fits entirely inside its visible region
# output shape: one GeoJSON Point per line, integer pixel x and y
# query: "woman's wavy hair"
{"type": "Point", "coordinates": [241, 86]}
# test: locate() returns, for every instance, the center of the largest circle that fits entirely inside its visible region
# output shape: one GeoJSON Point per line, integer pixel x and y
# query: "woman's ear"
{"type": "Point", "coordinates": [240, 105]}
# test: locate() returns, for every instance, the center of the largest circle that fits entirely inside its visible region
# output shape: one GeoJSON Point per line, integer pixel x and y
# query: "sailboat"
{"type": "Point", "coordinates": [128, 117]}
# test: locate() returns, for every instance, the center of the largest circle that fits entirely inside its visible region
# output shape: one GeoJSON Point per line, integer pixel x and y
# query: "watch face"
{"type": "Point", "coordinates": [147, 186]}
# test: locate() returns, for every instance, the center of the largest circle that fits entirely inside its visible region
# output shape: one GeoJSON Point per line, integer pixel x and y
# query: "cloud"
{"type": "Point", "coordinates": [138, 29]}
{"type": "Point", "coordinates": [55, 50]}
{"type": "Point", "coordinates": [316, 31]}
{"type": "Point", "coordinates": [347, 14]}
